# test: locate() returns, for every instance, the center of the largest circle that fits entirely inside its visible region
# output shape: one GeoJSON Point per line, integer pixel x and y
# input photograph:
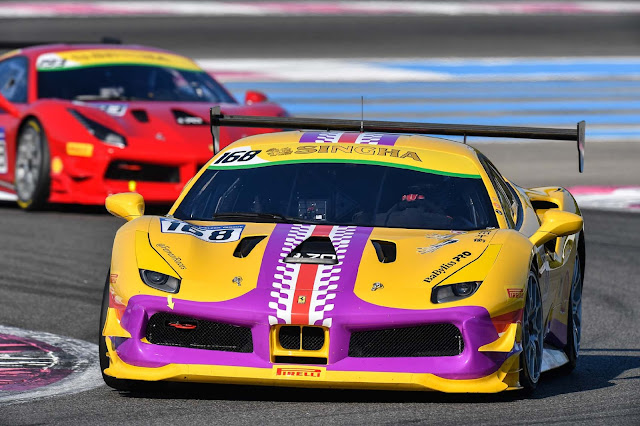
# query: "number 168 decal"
{"type": "Point", "coordinates": [211, 234]}
{"type": "Point", "coordinates": [238, 157]}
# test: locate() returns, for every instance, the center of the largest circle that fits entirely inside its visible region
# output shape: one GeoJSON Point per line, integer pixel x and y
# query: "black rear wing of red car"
{"type": "Point", "coordinates": [218, 119]}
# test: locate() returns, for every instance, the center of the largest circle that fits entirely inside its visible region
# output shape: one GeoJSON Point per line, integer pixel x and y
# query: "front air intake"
{"type": "Point", "coordinates": [175, 330]}
{"type": "Point", "coordinates": [421, 341]}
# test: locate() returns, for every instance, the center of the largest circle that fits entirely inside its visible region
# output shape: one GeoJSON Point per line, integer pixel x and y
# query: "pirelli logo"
{"type": "Point", "coordinates": [515, 293]}
{"type": "Point", "coordinates": [305, 372]}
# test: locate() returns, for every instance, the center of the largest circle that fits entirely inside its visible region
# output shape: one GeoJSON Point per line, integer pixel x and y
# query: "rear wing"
{"type": "Point", "coordinates": [218, 119]}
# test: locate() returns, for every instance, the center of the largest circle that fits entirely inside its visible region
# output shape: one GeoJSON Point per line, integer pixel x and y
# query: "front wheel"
{"type": "Point", "coordinates": [532, 335]}
{"type": "Point", "coordinates": [32, 179]}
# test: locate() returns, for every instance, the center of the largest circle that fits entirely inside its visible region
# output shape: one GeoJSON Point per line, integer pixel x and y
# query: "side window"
{"type": "Point", "coordinates": [506, 196]}
{"type": "Point", "coordinates": [13, 79]}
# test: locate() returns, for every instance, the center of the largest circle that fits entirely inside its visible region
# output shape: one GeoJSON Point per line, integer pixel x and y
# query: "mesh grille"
{"type": "Point", "coordinates": [143, 172]}
{"type": "Point", "coordinates": [312, 338]}
{"type": "Point", "coordinates": [174, 330]}
{"type": "Point", "coordinates": [421, 341]}
{"type": "Point", "coordinates": [289, 337]}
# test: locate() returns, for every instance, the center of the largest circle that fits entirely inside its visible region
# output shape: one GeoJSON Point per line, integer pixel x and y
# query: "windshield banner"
{"type": "Point", "coordinates": [99, 57]}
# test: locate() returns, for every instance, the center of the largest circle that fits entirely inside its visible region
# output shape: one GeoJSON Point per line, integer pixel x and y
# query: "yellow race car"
{"type": "Point", "coordinates": [358, 255]}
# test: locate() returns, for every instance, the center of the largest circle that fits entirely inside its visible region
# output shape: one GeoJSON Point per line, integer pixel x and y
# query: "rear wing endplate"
{"type": "Point", "coordinates": [218, 119]}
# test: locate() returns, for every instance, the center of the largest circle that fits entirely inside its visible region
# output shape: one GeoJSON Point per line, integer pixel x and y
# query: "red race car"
{"type": "Point", "coordinates": [80, 122]}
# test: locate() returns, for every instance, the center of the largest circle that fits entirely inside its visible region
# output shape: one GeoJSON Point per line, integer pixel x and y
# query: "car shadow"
{"type": "Point", "coordinates": [594, 371]}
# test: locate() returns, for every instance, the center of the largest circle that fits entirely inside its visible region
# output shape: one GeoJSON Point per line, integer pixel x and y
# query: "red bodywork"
{"type": "Point", "coordinates": [160, 141]}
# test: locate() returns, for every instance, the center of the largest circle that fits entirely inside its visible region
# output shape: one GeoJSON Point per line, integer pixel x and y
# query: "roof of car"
{"type": "Point", "coordinates": [400, 150]}
{"type": "Point", "coordinates": [102, 54]}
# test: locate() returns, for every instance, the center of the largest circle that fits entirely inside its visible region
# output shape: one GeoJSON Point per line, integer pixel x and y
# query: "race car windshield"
{"type": "Point", "coordinates": [340, 194]}
{"type": "Point", "coordinates": [131, 82]}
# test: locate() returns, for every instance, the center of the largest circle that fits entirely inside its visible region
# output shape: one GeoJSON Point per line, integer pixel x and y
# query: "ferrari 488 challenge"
{"type": "Point", "coordinates": [80, 122]}
{"type": "Point", "coordinates": [365, 257]}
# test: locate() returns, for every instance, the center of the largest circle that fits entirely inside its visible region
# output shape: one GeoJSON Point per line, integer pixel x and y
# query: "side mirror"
{"type": "Point", "coordinates": [8, 106]}
{"type": "Point", "coordinates": [253, 97]}
{"type": "Point", "coordinates": [556, 223]}
{"type": "Point", "coordinates": [127, 205]}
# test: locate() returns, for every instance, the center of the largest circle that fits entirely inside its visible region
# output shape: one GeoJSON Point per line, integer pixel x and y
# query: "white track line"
{"type": "Point", "coordinates": [608, 198]}
{"type": "Point", "coordinates": [421, 70]}
{"type": "Point", "coordinates": [86, 369]}
{"type": "Point", "coordinates": [38, 9]}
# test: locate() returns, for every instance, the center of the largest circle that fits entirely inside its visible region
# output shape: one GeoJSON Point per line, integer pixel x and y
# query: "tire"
{"type": "Point", "coordinates": [32, 168]}
{"type": "Point", "coordinates": [119, 384]}
{"type": "Point", "coordinates": [532, 335]}
{"type": "Point", "coordinates": [574, 318]}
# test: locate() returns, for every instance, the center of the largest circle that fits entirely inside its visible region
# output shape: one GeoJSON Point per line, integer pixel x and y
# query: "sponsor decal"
{"type": "Point", "coordinates": [302, 300]}
{"type": "Point", "coordinates": [481, 237]}
{"type": "Point", "coordinates": [279, 151]}
{"type": "Point", "coordinates": [445, 266]}
{"type": "Point", "coordinates": [437, 236]}
{"type": "Point", "coordinates": [176, 259]}
{"type": "Point", "coordinates": [55, 61]}
{"type": "Point", "coordinates": [237, 280]}
{"type": "Point", "coordinates": [515, 293]}
{"type": "Point", "coordinates": [432, 248]}
{"type": "Point", "coordinates": [4, 161]}
{"type": "Point", "coordinates": [113, 278]}
{"type": "Point", "coordinates": [499, 212]}
{"type": "Point", "coordinates": [362, 150]}
{"type": "Point", "coordinates": [211, 234]}
{"type": "Point", "coordinates": [376, 286]}
{"type": "Point", "coordinates": [298, 372]}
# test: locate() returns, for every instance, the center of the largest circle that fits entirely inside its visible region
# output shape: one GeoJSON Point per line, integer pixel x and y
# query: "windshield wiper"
{"type": "Point", "coordinates": [253, 215]}
{"type": "Point", "coordinates": [103, 98]}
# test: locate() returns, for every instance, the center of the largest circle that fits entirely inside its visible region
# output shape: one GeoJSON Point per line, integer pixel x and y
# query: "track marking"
{"type": "Point", "coordinates": [35, 9]}
{"type": "Point", "coordinates": [607, 197]}
{"type": "Point", "coordinates": [76, 355]}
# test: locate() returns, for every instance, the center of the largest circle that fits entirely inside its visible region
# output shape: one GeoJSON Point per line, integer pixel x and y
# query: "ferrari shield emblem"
{"type": "Point", "coordinates": [302, 300]}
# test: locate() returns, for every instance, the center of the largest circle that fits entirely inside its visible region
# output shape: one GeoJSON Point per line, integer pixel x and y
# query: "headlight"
{"type": "Point", "coordinates": [101, 132]}
{"type": "Point", "coordinates": [160, 281]}
{"type": "Point", "coordinates": [452, 292]}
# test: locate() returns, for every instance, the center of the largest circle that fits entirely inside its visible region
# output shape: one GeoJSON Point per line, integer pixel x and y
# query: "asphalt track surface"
{"type": "Point", "coordinates": [54, 263]}
{"type": "Point", "coordinates": [345, 37]}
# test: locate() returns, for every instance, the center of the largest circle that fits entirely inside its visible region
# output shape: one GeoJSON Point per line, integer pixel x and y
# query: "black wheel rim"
{"type": "Point", "coordinates": [532, 333]}
{"type": "Point", "coordinates": [576, 306]}
{"type": "Point", "coordinates": [28, 163]}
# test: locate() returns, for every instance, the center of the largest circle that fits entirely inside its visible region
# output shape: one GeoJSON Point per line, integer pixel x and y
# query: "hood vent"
{"type": "Point", "coordinates": [245, 246]}
{"type": "Point", "coordinates": [315, 250]}
{"type": "Point", "coordinates": [186, 119]}
{"type": "Point", "coordinates": [140, 115]}
{"type": "Point", "coordinates": [386, 250]}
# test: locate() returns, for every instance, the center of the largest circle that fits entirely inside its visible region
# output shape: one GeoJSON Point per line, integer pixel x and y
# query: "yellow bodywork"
{"type": "Point", "coordinates": [498, 258]}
